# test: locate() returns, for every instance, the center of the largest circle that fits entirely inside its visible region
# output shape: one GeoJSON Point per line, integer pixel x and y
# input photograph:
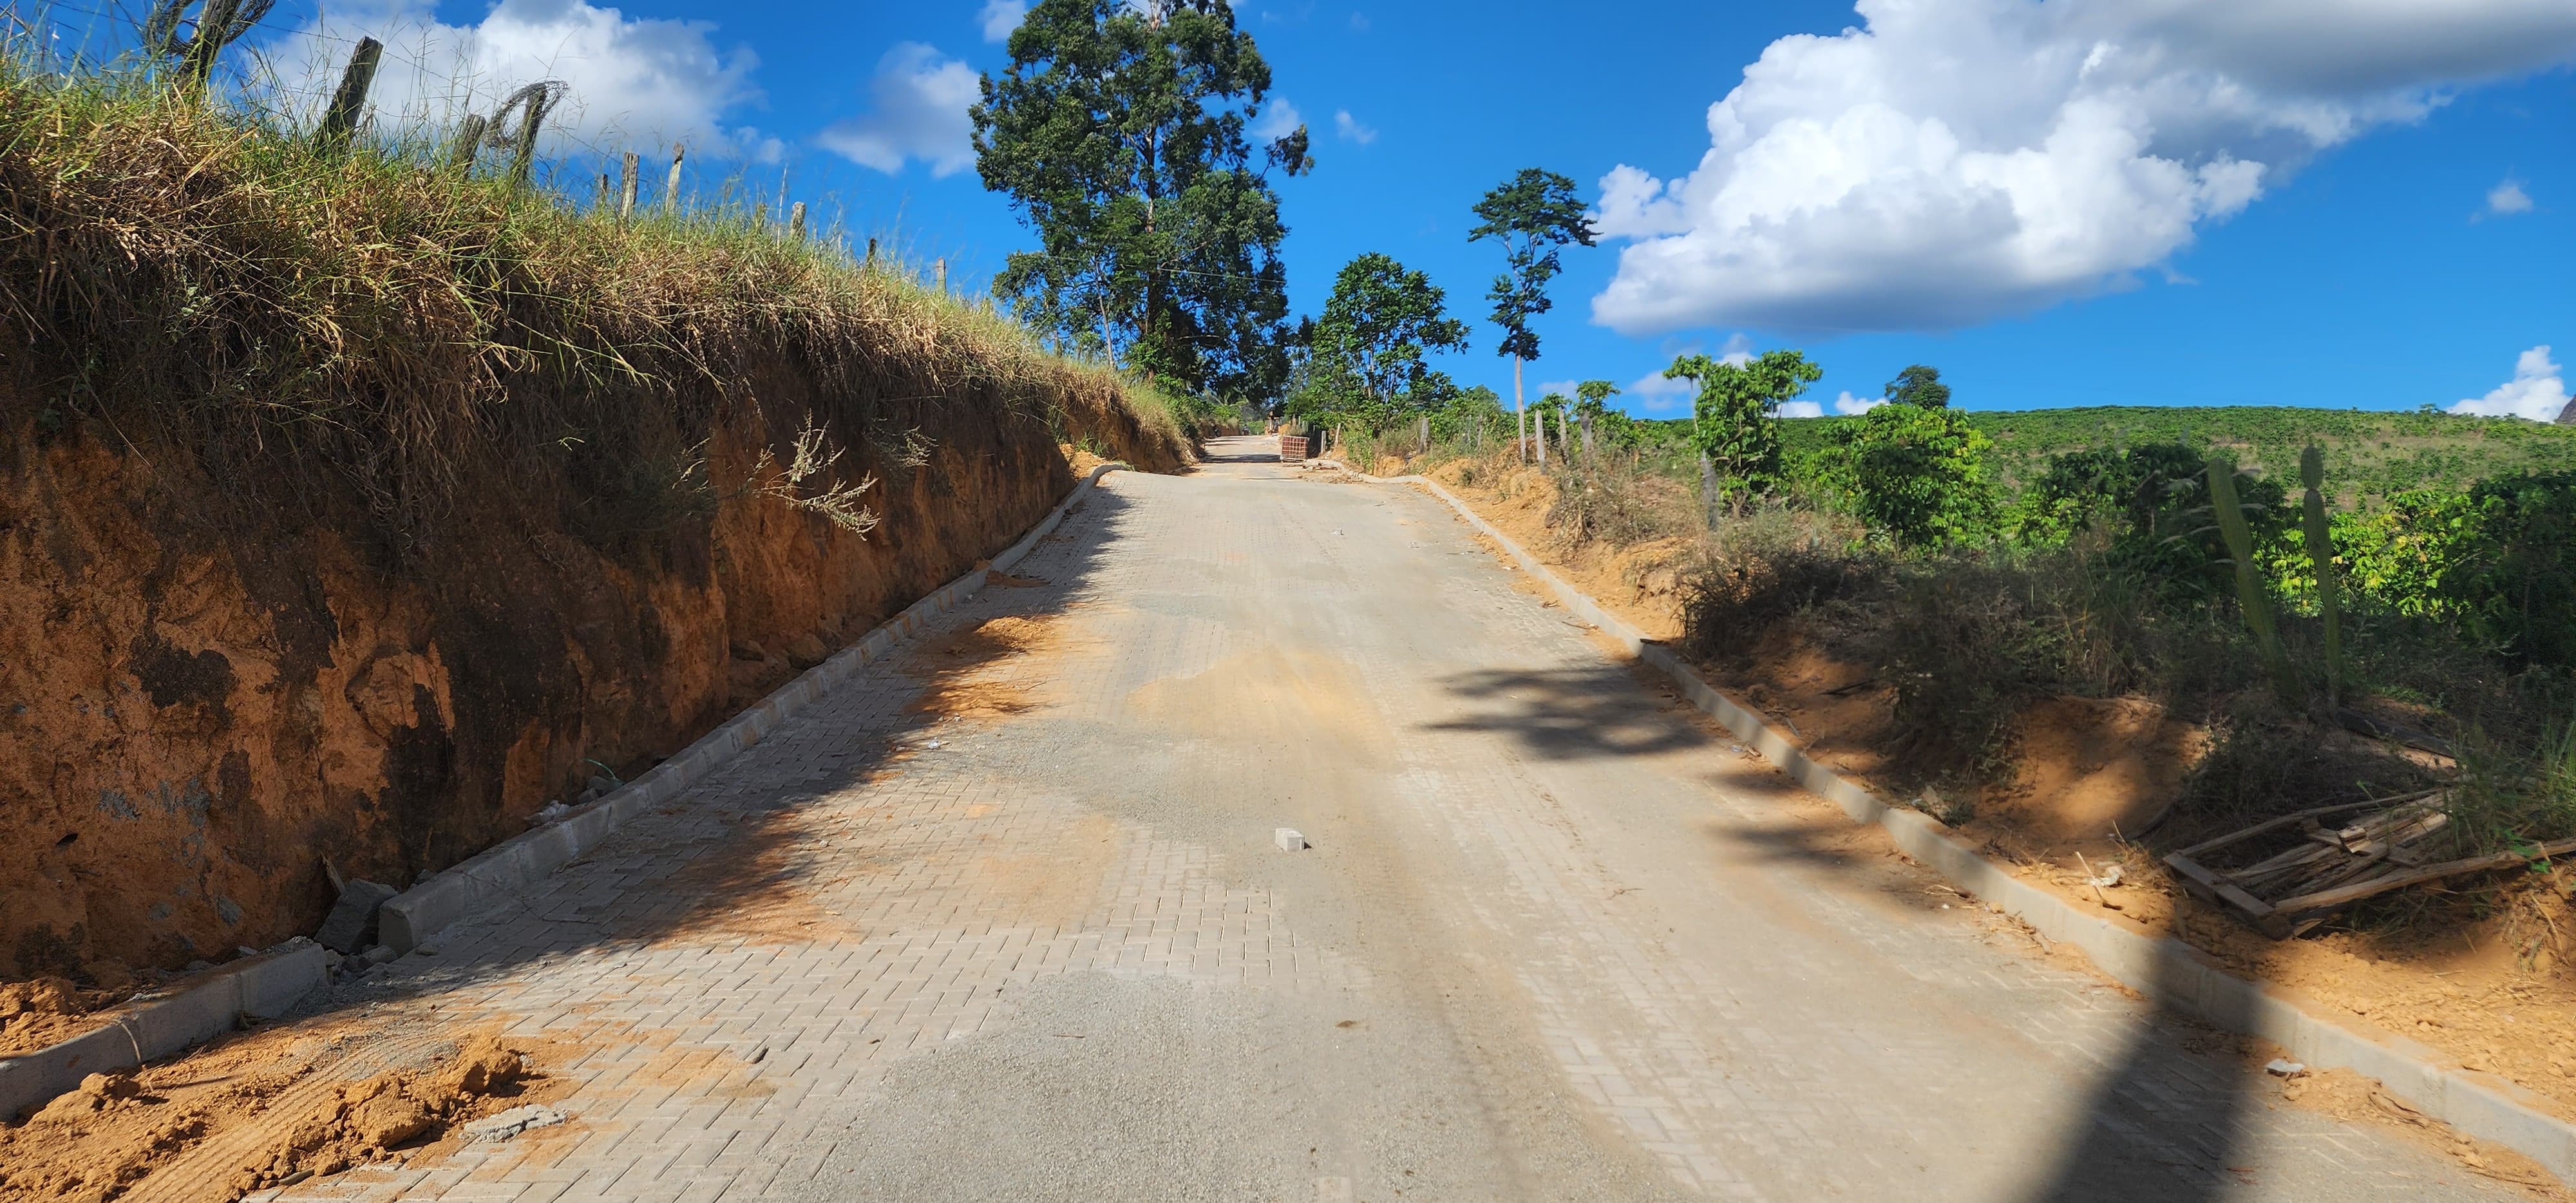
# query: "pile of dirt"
{"type": "Point", "coordinates": [257, 1111]}
{"type": "Point", "coordinates": [2350, 1097]}
{"type": "Point", "coordinates": [2087, 771]}
{"type": "Point", "coordinates": [45, 1011]}
{"type": "Point", "coordinates": [988, 671]}
{"type": "Point", "coordinates": [1640, 582]}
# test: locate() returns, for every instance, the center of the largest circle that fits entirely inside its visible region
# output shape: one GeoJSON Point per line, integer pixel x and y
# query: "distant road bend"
{"type": "Point", "coordinates": [1003, 919]}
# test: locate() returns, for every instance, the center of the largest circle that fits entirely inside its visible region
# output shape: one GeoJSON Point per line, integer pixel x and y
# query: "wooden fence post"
{"type": "Point", "coordinates": [631, 167]}
{"type": "Point", "coordinates": [340, 121]}
{"type": "Point", "coordinates": [671, 189]}
{"type": "Point", "coordinates": [469, 141]}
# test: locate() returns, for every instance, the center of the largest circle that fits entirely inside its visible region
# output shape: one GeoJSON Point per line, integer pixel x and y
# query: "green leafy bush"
{"type": "Point", "coordinates": [2513, 579]}
{"type": "Point", "coordinates": [1917, 475]}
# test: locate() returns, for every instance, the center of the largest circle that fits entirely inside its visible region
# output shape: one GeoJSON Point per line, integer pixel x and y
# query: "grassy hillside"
{"type": "Point", "coordinates": [2368, 454]}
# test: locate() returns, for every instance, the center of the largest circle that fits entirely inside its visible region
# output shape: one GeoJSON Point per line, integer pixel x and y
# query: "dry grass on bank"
{"type": "Point", "coordinates": [386, 316]}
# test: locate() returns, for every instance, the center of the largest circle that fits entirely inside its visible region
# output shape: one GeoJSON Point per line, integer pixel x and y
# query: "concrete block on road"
{"type": "Point", "coordinates": [351, 926]}
{"type": "Point", "coordinates": [1289, 840]}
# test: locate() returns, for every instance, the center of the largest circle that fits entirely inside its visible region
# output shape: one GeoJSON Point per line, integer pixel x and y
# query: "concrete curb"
{"type": "Point", "coordinates": [2175, 975]}
{"type": "Point", "coordinates": [501, 871]}
{"type": "Point", "coordinates": [266, 985]}
{"type": "Point", "coordinates": [261, 987]}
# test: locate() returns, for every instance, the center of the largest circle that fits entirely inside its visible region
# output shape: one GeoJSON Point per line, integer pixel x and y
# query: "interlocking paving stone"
{"type": "Point", "coordinates": [1554, 938]}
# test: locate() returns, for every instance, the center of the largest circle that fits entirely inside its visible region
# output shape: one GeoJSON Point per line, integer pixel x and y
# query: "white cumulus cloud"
{"type": "Point", "coordinates": [1350, 127]}
{"type": "Point", "coordinates": [918, 111]}
{"type": "Point", "coordinates": [1655, 394]}
{"type": "Point", "coordinates": [1951, 161]}
{"type": "Point", "coordinates": [1845, 405]}
{"type": "Point", "coordinates": [1000, 17]}
{"type": "Point", "coordinates": [633, 83]}
{"type": "Point", "coordinates": [2538, 391]}
{"type": "Point", "coordinates": [1278, 120]}
{"type": "Point", "coordinates": [2507, 199]}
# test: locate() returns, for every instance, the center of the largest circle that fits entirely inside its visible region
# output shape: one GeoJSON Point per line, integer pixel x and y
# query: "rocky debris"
{"type": "Point", "coordinates": [352, 922]}
{"type": "Point", "coordinates": [806, 651]}
{"type": "Point", "coordinates": [510, 1123]}
{"type": "Point", "coordinates": [43, 996]}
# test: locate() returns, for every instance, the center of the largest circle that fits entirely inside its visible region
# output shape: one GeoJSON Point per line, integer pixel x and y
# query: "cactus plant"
{"type": "Point", "coordinates": [2252, 595]}
{"type": "Point", "coordinates": [2312, 472]}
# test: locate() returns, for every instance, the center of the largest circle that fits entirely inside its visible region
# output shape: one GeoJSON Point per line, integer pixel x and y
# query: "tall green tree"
{"type": "Point", "coordinates": [1919, 385]}
{"type": "Point", "coordinates": [1365, 355]}
{"type": "Point", "coordinates": [1533, 214]}
{"type": "Point", "coordinates": [1118, 132]}
{"type": "Point", "coordinates": [1735, 422]}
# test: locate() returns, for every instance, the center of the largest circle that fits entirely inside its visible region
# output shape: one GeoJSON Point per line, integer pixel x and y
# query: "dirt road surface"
{"type": "Point", "coordinates": [1004, 919]}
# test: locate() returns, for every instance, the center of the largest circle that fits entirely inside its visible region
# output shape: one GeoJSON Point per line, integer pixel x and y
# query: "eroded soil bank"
{"type": "Point", "coordinates": [216, 692]}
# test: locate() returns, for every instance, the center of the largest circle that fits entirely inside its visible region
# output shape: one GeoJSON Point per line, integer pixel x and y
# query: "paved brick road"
{"type": "Point", "coordinates": [1003, 920]}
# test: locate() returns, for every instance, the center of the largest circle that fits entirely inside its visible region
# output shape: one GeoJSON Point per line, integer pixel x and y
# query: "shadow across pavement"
{"type": "Point", "coordinates": [1586, 713]}
{"type": "Point", "coordinates": [738, 858]}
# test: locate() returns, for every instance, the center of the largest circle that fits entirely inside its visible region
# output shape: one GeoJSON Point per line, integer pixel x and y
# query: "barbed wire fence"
{"type": "Point", "coordinates": [450, 117]}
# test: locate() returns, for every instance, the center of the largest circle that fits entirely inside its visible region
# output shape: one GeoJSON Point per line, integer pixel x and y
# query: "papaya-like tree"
{"type": "Point", "coordinates": [1533, 214]}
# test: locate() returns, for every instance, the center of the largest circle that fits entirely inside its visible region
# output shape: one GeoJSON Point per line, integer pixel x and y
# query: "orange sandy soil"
{"type": "Point", "coordinates": [2480, 974]}
{"type": "Point", "coordinates": [1641, 583]}
{"type": "Point", "coordinates": [261, 1109]}
{"type": "Point", "coordinates": [35, 1014]}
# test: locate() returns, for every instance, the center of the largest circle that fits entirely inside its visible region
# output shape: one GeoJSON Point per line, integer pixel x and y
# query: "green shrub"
{"type": "Point", "coordinates": [1918, 477]}
{"type": "Point", "coordinates": [2513, 579]}
{"type": "Point", "coordinates": [2153, 503]}
{"type": "Point", "coordinates": [1768, 565]}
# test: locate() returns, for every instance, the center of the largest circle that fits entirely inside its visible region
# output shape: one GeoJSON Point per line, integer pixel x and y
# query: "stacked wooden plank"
{"type": "Point", "coordinates": [2323, 860]}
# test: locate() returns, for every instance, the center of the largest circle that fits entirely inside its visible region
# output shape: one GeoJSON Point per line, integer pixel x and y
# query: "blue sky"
{"type": "Point", "coordinates": [2313, 202]}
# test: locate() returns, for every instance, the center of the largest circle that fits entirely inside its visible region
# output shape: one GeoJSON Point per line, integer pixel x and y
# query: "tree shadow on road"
{"type": "Point", "coordinates": [1583, 713]}
{"type": "Point", "coordinates": [747, 855]}
{"type": "Point", "coordinates": [2166, 1120]}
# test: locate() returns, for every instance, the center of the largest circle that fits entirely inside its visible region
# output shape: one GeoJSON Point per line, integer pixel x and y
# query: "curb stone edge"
{"type": "Point", "coordinates": [2171, 973]}
{"type": "Point", "coordinates": [267, 985]}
